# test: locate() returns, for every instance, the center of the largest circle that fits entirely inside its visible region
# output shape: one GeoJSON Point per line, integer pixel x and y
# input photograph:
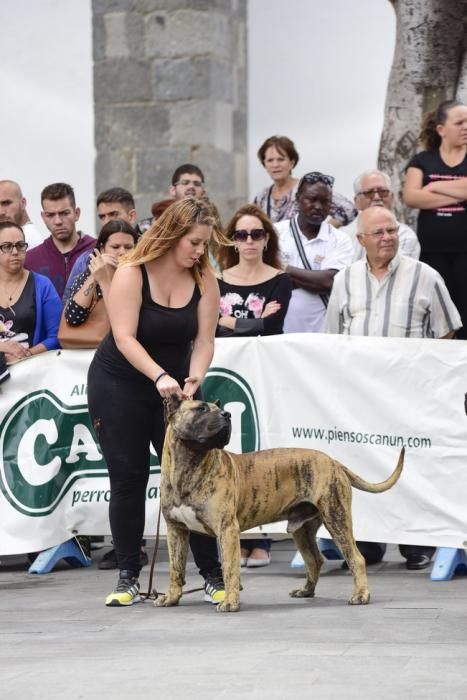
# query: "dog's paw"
{"type": "Point", "coordinates": [166, 601]}
{"type": "Point", "coordinates": [360, 598]}
{"type": "Point", "coordinates": [226, 607]}
{"type": "Point", "coordinates": [301, 593]}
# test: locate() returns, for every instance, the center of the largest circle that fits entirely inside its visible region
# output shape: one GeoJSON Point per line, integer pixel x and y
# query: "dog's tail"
{"type": "Point", "coordinates": [363, 485]}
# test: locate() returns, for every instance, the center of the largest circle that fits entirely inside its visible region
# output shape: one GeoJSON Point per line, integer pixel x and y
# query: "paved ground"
{"type": "Point", "coordinates": [58, 640]}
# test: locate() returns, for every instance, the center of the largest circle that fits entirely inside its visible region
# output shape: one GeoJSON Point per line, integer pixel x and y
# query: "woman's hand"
{"type": "Point", "coordinates": [167, 385]}
{"type": "Point", "coordinates": [191, 386]}
{"type": "Point", "coordinates": [102, 266]}
{"type": "Point", "coordinates": [14, 351]}
{"type": "Point", "coordinates": [270, 309]}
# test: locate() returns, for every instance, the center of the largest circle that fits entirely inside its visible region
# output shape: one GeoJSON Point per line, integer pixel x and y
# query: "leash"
{"type": "Point", "coordinates": [153, 593]}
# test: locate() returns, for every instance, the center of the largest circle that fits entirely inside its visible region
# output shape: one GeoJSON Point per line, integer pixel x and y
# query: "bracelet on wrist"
{"type": "Point", "coordinates": [159, 376]}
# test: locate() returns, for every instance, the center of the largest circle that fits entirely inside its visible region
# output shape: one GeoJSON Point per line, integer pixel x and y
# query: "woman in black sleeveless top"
{"type": "Point", "coordinates": [163, 307]}
{"type": "Point", "coordinates": [436, 183]}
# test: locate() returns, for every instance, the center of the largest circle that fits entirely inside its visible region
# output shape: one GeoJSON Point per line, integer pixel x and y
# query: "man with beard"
{"type": "Point", "coordinates": [13, 208]}
{"type": "Point", "coordinates": [314, 252]}
{"type": "Point", "coordinates": [55, 257]}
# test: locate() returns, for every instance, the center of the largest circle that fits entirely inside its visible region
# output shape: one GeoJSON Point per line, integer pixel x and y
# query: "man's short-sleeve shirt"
{"type": "Point", "coordinates": [410, 301]}
{"type": "Point", "coordinates": [330, 250]}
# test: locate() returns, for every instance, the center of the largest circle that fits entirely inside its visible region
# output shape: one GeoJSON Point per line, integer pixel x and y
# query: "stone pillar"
{"type": "Point", "coordinates": [170, 87]}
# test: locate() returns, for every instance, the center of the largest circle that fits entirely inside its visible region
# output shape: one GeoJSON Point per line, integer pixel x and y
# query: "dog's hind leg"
{"type": "Point", "coordinates": [305, 539]}
{"type": "Point", "coordinates": [177, 541]}
{"type": "Point", "coordinates": [338, 520]}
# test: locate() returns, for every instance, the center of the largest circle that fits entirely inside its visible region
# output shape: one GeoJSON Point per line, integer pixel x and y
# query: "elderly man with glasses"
{"type": "Point", "coordinates": [373, 189]}
{"type": "Point", "coordinates": [388, 294]}
{"type": "Point", "coordinates": [313, 251]}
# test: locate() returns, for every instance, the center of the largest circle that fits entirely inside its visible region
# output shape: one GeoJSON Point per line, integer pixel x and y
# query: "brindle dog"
{"type": "Point", "coordinates": [209, 490]}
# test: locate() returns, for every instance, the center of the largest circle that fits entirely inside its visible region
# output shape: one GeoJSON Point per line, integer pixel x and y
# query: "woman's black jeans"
{"type": "Point", "coordinates": [127, 417]}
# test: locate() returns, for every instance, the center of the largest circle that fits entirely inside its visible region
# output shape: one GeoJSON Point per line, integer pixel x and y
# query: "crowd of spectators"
{"type": "Point", "coordinates": [300, 259]}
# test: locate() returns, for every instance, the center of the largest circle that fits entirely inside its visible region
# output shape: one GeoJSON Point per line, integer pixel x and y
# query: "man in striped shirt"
{"type": "Point", "coordinates": [388, 294]}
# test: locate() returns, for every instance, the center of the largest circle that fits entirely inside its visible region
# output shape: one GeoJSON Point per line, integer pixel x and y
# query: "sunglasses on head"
{"type": "Point", "coordinates": [256, 235]}
{"type": "Point", "coordinates": [313, 178]}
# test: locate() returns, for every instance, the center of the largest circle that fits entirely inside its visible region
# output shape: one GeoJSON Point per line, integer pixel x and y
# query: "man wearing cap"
{"type": "Point", "coordinates": [314, 251]}
{"type": "Point", "coordinates": [373, 189]}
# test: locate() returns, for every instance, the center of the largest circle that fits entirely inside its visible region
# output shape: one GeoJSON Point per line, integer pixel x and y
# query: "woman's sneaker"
{"type": "Point", "coordinates": [126, 592]}
{"type": "Point", "coordinates": [214, 590]}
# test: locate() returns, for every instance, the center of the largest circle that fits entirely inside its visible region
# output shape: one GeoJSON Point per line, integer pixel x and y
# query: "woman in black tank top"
{"type": "Point", "coordinates": [163, 307]}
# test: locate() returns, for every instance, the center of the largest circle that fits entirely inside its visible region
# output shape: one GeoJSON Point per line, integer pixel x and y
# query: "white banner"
{"type": "Point", "coordinates": [358, 399]}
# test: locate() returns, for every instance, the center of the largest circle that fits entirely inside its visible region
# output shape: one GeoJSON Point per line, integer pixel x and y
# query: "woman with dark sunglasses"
{"type": "Point", "coordinates": [30, 308]}
{"type": "Point", "coordinates": [255, 294]}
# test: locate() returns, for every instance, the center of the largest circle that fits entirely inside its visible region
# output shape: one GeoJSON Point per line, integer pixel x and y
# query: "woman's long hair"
{"type": "Point", "coordinates": [228, 256]}
{"type": "Point", "coordinates": [174, 223]}
{"type": "Point", "coordinates": [429, 136]}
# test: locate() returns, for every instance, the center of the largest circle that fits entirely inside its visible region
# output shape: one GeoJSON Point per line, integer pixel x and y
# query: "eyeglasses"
{"type": "Point", "coordinates": [195, 183]}
{"type": "Point", "coordinates": [21, 247]}
{"type": "Point", "coordinates": [257, 234]}
{"type": "Point", "coordinates": [314, 177]}
{"type": "Point", "coordinates": [390, 230]}
{"type": "Point", "coordinates": [380, 191]}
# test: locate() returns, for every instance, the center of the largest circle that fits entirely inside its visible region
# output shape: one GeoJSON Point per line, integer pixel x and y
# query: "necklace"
{"type": "Point", "coordinates": [13, 292]}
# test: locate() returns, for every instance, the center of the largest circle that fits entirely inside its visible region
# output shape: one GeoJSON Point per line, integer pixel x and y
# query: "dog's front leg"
{"type": "Point", "coordinates": [177, 541]}
{"type": "Point", "coordinates": [229, 542]}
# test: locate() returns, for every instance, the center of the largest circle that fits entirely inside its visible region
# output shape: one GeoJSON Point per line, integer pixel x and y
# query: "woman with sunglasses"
{"type": "Point", "coordinates": [30, 308]}
{"type": "Point", "coordinates": [279, 157]}
{"type": "Point", "coordinates": [255, 295]}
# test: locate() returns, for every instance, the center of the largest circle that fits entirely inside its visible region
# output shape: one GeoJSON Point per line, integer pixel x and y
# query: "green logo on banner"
{"type": "Point", "coordinates": [46, 445]}
{"type": "Point", "coordinates": [236, 397]}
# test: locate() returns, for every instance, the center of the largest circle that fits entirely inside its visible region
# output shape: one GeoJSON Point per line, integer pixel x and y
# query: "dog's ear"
{"type": "Point", "coordinates": [171, 406]}
{"type": "Point", "coordinates": [217, 403]}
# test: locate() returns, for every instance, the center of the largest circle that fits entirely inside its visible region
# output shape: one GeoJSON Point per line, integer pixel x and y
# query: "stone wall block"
{"type": "Point", "coordinates": [135, 33]}
{"type": "Point", "coordinates": [187, 33]}
{"type": "Point", "coordinates": [155, 167]}
{"type": "Point", "coordinates": [98, 37]}
{"type": "Point", "coordinates": [116, 41]}
{"type": "Point", "coordinates": [100, 7]}
{"type": "Point", "coordinates": [133, 126]}
{"type": "Point", "coordinates": [222, 80]}
{"type": "Point", "coordinates": [181, 79]}
{"type": "Point", "coordinates": [217, 167]}
{"type": "Point", "coordinates": [114, 168]}
{"type": "Point", "coordinates": [122, 80]}
{"type": "Point", "coordinates": [239, 194]}
{"type": "Point", "coordinates": [240, 130]}
{"type": "Point", "coordinates": [224, 126]}
{"type": "Point", "coordinates": [192, 122]}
